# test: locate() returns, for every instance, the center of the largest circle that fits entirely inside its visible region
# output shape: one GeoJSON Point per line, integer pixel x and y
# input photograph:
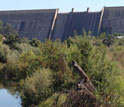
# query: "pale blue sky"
{"type": "Point", "coordinates": [63, 5]}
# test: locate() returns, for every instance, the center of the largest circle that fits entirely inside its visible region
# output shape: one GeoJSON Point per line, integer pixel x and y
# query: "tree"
{"type": "Point", "coordinates": [35, 42]}
{"type": "Point", "coordinates": [11, 40]}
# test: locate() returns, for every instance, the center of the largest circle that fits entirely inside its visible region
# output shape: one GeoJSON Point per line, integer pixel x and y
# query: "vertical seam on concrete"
{"type": "Point", "coordinates": [100, 22]}
{"type": "Point", "coordinates": [53, 24]}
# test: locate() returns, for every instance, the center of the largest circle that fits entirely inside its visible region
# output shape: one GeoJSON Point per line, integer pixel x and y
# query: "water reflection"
{"type": "Point", "coordinates": [9, 96]}
{"type": "Point", "coordinates": [7, 100]}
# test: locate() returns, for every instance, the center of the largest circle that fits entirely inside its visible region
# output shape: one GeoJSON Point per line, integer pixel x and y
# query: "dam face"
{"type": "Point", "coordinates": [50, 24]}
{"type": "Point", "coordinates": [66, 24]}
{"type": "Point", "coordinates": [113, 20]}
{"type": "Point", "coordinates": [30, 23]}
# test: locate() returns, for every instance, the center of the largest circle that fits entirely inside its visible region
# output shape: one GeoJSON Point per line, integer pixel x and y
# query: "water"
{"type": "Point", "coordinates": [9, 100]}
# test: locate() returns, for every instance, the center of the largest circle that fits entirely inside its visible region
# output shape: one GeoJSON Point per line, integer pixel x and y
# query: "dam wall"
{"type": "Point", "coordinates": [113, 20]}
{"type": "Point", "coordinates": [68, 23]}
{"type": "Point", "coordinates": [50, 24]}
{"type": "Point", "coordinates": [30, 23]}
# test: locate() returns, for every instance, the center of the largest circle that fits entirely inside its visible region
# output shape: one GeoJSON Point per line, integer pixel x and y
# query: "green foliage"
{"type": "Point", "coordinates": [103, 72]}
{"type": "Point", "coordinates": [44, 70]}
{"type": "Point", "coordinates": [121, 42]}
{"type": "Point", "coordinates": [35, 42]}
{"type": "Point", "coordinates": [108, 41]}
{"type": "Point", "coordinates": [11, 40]}
{"type": "Point", "coordinates": [84, 33]}
{"type": "Point", "coordinates": [9, 71]}
{"type": "Point", "coordinates": [102, 36]}
{"type": "Point", "coordinates": [24, 47]}
{"type": "Point", "coordinates": [75, 33]}
{"type": "Point", "coordinates": [11, 36]}
{"type": "Point", "coordinates": [37, 87]}
{"type": "Point", "coordinates": [54, 57]}
{"type": "Point", "coordinates": [49, 102]}
{"type": "Point", "coordinates": [1, 38]}
{"type": "Point", "coordinates": [8, 30]}
{"type": "Point", "coordinates": [117, 34]}
{"type": "Point", "coordinates": [85, 48]}
{"type": "Point", "coordinates": [1, 28]}
{"type": "Point", "coordinates": [9, 58]}
{"type": "Point", "coordinates": [56, 100]}
{"type": "Point", "coordinates": [25, 40]}
{"type": "Point", "coordinates": [4, 51]}
{"type": "Point", "coordinates": [105, 76]}
{"type": "Point", "coordinates": [27, 63]}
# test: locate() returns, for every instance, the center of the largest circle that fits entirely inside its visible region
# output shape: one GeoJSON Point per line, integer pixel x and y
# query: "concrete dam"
{"type": "Point", "coordinates": [50, 24]}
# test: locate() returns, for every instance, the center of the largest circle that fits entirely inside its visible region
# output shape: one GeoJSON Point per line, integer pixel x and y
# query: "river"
{"type": "Point", "coordinates": [9, 99]}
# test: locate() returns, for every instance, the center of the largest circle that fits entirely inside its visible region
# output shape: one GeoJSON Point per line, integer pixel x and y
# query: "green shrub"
{"type": "Point", "coordinates": [27, 63]}
{"type": "Point", "coordinates": [11, 40]}
{"type": "Point", "coordinates": [121, 42]}
{"type": "Point", "coordinates": [54, 56]}
{"type": "Point", "coordinates": [4, 51]}
{"type": "Point", "coordinates": [37, 87]}
{"type": "Point", "coordinates": [24, 47]}
{"type": "Point", "coordinates": [1, 38]}
{"type": "Point", "coordinates": [10, 34]}
{"type": "Point", "coordinates": [23, 62]}
{"type": "Point", "coordinates": [35, 43]}
{"type": "Point", "coordinates": [8, 58]}
{"type": "Point", "coordinates": [56, 100]}
{"type": "Point", "coordinates": [25, 40]}
{"type": "Point", "coordinates": [102, 71]}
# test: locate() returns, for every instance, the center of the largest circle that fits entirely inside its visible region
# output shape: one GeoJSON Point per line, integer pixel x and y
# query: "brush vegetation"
{"type": "Point", "coordinates": [44, 70]}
